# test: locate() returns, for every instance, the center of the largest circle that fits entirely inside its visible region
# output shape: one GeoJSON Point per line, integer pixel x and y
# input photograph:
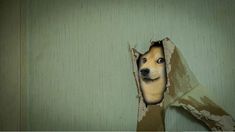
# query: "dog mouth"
{"type": "Point", "coordinates": [147, 79]}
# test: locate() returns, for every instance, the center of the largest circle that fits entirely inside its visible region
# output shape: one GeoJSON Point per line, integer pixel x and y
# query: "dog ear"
{"type": "Point", "coordinates": [152, 43]}
{"type": "Point", "coordinates": [156, 44]}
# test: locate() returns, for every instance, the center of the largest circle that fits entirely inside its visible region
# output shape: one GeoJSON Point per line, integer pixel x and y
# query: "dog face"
{"type": "Point", "coordinates": [152, 74]}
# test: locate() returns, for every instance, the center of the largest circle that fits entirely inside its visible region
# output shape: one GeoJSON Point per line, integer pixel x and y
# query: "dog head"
{"type": "Point", "coordinates": [152, 73]}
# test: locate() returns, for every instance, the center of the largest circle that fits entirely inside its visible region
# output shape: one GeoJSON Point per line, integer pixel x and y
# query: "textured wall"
{"type": "Point", "coordinates": [79, 75]}
{"type": "Point", "coordinates": [9, 64]}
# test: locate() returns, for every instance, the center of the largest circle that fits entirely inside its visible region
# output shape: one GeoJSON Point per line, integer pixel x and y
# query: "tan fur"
{"type": "Point", "coordinates": [153, 90]}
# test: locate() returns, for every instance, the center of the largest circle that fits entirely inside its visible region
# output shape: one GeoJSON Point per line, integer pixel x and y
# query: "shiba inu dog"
{"type": "Point", "coordinates": [152, 73]}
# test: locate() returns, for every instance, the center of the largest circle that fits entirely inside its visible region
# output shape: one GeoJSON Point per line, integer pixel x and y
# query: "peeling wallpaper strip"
{"type": "Point", "coordinates": [183, 90]}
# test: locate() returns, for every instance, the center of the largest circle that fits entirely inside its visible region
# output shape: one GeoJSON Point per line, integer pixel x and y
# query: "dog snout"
{"type": "Point", "coordinates": [144, 72]}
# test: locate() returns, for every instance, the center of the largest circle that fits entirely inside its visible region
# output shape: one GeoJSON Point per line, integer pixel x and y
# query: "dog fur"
{"type": "Point", "coordinates": [152, 73]}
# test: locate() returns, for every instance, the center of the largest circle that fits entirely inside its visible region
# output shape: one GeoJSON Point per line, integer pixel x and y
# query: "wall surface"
{"type": "Point", "coordinates": [9, 64]}
{"type": "Point", "coordinates": [78, 66]}
{"type": "Point", "coordinates": [80, 74]}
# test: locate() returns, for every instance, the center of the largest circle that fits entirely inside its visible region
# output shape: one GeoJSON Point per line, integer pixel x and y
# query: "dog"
{"type": "Point", "coordinates": [152, 73]}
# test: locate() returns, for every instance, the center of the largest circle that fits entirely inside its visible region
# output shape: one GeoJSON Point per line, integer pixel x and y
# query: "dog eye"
{"type": "Point", "coordinates": [144, 60]}
{"type": "Point", "coordinates": [160, 60]}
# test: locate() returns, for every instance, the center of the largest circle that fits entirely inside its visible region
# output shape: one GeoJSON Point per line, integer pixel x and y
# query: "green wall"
{"type": "Point", "coordinates": [78, 69]}
{"type": "Point", "coordinates": [9, 64]}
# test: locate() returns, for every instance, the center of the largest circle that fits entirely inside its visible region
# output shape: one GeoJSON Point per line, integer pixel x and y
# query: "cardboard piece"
{"type": "Point", "coordinates": [182, 90]}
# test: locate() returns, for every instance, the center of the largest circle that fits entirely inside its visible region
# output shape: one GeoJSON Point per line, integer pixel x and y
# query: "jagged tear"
{"type": "Point", "coordinates": [183, 90]}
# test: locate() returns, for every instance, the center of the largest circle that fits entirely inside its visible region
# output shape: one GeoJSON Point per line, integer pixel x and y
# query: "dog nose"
{"type": "Point", "coordinates": [144, 72]}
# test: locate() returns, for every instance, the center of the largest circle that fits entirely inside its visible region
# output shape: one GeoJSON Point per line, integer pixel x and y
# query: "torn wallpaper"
{"type": "Point", "coordinates": [182, 90]}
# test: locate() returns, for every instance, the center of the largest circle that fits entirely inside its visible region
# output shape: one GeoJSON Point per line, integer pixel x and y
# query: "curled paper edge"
{"type": "Point", "coordinates": [191, 96]}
